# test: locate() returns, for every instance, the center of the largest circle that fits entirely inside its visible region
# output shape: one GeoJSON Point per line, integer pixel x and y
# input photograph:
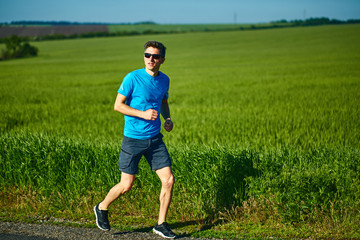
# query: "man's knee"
{"type": "Point", "coordinates": [127, 182]}
{"type": "Point", "coordinates": [166, 177]}
{"type": "Point", "coordinates": [127, 186]}
{"type": "Point", "coordinates": [169, 181]}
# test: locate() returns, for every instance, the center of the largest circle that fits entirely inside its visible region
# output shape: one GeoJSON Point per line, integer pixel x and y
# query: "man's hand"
{"type": "Point", "coordinates": [168, 125]}
{"type": "Point", "coordinates": [150, 114]}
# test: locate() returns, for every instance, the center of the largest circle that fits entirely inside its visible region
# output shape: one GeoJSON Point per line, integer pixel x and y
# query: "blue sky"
{"type": "Point", "coordinates": [179, 11]}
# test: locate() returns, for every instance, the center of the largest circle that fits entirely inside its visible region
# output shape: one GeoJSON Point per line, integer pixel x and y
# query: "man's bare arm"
{"type": "Point", "coordinates": [121, 107]}
{"type": "Point", "coordinates": [165, 112]}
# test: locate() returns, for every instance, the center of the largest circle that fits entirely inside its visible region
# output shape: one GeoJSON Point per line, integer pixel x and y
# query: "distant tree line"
{"type": "Point", "coordinates": [101, 34]}
{"type": "Point", "coordinates": [297, 22]}
{"type": "Point", "coordinates": [317, 21]}
{"type": "Point", "coordinates": [66, 23]}
{"type": "Point", "coordinates": [274, 24]}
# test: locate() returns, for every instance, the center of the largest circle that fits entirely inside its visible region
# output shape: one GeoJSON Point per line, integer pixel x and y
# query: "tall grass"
{"type": "Point", "coordinates": [209, 180]}
{"type": "Point", "coordinates": [266, 128]}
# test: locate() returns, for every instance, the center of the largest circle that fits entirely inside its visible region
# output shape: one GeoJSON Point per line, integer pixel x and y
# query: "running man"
{"type": "Point", "coordinates": [141, 97]}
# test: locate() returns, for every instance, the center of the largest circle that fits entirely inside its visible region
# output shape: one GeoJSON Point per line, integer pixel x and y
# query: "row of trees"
{"type": "Point", "coordinates": [317, 21]}
{"type": "Point", "coordinates": [17, 47]}
{"type": "Point", "coordinates": [306, 22]}
{"type": "Point", "coordinates": [275, 24]}
{"type": "Point", "coordinates": [67, 23]}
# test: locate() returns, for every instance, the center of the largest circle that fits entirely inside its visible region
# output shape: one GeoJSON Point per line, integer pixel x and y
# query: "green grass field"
{"type": "Point", "coordinates": [266, 138]}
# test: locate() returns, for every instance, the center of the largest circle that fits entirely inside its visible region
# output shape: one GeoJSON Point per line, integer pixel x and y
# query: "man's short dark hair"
{"type": "Point", "coordinates": [157, 45]}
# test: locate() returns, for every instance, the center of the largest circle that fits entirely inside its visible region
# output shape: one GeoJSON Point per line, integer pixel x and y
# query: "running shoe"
{"type": "Point", "coordinates": [164, 230]}
{"type": "Point", "coordinates": [102, 220]}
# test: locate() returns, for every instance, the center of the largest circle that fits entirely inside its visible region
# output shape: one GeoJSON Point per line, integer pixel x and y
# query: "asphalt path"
{"type": "Point", "coordinates": [27, 231]}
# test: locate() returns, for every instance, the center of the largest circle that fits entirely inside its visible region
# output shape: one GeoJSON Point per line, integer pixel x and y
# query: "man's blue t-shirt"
{"type": "Point", "coordinates": [143, 92]}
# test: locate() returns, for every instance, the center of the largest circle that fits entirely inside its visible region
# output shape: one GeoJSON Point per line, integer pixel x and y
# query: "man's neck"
{"type": "Point", "coordinates": [152, 73]}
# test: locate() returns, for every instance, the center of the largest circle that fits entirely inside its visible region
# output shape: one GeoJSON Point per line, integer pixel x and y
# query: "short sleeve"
{"type": "Point", "coordinates": [166, 95]}
{"type": "Point", "coordinates": [126, 86]}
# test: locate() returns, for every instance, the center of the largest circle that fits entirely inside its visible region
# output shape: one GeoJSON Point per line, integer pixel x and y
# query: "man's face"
{"type": "Point", "coordinates": [153, 63]}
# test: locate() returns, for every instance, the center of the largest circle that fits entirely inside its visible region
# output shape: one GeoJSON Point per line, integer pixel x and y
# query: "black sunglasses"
{"type": "Point", "coordinates": [155, 56]}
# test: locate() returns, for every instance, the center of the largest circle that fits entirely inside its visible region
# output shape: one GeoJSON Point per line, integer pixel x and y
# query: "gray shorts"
{"type": "Point", "coordinates": [153, 149]}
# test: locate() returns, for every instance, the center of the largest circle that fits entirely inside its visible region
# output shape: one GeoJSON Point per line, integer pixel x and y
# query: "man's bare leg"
{"type": "Point", "coordinates": [167, 180]}
{"type": "Point", "coordinates": [126, 183]}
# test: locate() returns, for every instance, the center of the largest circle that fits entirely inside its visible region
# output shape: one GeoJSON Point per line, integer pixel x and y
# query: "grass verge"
{"type": "Point", "coordinates": [219, 192]}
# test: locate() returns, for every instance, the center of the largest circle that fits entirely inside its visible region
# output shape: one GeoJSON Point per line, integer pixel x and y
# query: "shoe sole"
{"type": "Point", "coordinates": [161, 234]}
{"type": "Point", "coordinates": [104, 229]}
